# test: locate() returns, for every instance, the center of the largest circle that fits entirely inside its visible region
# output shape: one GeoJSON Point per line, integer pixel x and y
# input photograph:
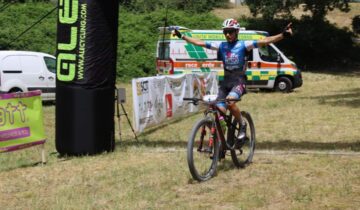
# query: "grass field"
{"type": "Point", "coordinates": [307, 157]}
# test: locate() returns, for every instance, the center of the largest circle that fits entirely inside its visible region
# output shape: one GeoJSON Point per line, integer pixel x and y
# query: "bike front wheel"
{"type": "Point", "coordinates": [203, 150]}
{"type": "Point", "coordinates": [244, 149]}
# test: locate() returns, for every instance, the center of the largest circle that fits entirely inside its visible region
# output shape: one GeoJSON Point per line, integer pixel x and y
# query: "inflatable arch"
{"type": "Point", "coordinates": [86, 73]}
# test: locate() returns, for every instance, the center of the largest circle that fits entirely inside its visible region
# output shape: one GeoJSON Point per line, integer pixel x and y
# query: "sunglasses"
{"type": "Point", "coordinates": [229, 31]}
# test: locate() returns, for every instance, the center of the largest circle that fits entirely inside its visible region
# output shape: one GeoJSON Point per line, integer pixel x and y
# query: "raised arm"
{"type": "Point", "coordinates": [272, 39]}
{"type": "Point", "coordinates": [194, 41]}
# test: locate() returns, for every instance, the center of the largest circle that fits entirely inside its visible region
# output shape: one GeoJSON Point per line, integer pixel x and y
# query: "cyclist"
{"type": "Point", "coordinates": [232, 53]}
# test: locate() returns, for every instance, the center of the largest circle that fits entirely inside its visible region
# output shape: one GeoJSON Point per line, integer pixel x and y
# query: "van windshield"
{"type": "Point", "coordinates": [50, 64]}
{"type": "Point", "coordinates": [164, 50]}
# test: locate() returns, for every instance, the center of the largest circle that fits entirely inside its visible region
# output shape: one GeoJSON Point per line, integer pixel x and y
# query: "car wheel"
{"type": "Point", "coordinates": [15, 90]}
{"type": "Point", "coordinates": [283, 84]}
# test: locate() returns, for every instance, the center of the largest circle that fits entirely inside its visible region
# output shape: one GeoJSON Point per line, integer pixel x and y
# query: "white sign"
{"type": "Point", "coordinates": [158, 99]}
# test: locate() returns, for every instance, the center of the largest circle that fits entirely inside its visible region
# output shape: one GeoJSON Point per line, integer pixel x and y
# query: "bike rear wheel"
{"type": "Point", "coordinates": [203, 150]}
{"type": "Point", "coordinates": [243, 152]}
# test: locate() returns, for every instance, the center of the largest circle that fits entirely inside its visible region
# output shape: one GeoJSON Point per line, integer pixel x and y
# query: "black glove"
{"type": "Point", "coordinates": [285, 32]}
{"type": "Point", "coordinates": [178, 34]}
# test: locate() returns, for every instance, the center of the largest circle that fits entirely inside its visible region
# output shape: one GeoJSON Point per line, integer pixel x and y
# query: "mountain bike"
{"type": "Point", "coordinates": [207, 144]}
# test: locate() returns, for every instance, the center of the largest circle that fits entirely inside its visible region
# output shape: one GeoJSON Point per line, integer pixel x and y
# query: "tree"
{"type": "Point", "coordinates": [319, 8]}
{"type": "Point", "coordinates": [269, 8]}
{"type": "Point", "coordinates": [186, 5]}
{"type": "Point", "coordinates": [356, 24]}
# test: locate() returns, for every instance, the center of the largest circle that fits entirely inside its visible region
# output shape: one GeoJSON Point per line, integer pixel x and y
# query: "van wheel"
{"type": "Point", "coordinates": [283, 84]}
{"type": "Point", "coordinates": [15, 90]}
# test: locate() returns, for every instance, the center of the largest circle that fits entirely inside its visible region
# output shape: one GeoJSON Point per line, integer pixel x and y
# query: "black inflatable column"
{"type": "Point", "coordinates": [86, 69]}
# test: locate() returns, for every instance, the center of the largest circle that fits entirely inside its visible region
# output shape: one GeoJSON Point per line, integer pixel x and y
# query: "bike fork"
{"type": "Point", "coordinates": [201, 141]}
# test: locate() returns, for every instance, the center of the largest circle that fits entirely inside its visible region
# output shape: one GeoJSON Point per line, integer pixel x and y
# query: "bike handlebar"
{"type": "Point", "coordinates": [195, 101]}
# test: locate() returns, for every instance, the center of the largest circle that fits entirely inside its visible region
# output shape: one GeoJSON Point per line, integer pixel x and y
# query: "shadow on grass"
{"type": "Point", "coordinates": [23, 165]}
{"type": "Point", "coordinates": [48, 103]}
{"type": "Point", "coordinates": [266, 145]}
{"type": "Point", "coordinates": [308, 145]}
{"type": "Point", "coordinates": [350, 98]}
{"type": "Point", "coordinates": [168, 123]}
{"type": "Point", "coordinates": [153, 144]}
{"type": "Point", "coordinates": [349, 71]}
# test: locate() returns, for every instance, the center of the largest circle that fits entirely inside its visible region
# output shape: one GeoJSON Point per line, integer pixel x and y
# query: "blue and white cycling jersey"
{"type": "Point", "coordinates": [233, 54]}
{"type": "Point", "coordinates": [233, 57]}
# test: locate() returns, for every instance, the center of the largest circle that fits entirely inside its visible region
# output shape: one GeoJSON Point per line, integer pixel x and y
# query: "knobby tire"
{"type": "Point", "coordinates": [202, 156]}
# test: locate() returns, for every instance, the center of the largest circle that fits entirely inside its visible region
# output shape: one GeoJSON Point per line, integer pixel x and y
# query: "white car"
{"type": "Point", "coordinates": [22, 71]}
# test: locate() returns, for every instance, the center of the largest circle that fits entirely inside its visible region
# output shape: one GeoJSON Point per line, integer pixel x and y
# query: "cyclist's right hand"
{"type": "Point", "coordinates": [231, 100]}
{"type": "Point", "coordinates": [177, 33]}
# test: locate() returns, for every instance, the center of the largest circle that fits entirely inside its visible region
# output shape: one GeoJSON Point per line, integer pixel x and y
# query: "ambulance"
{"type": "Point", "coordinates": [267, 67]}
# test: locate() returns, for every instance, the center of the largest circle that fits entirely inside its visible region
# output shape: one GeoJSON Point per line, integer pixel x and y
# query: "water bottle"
{"type": "Point", "coordinates": [222, 123]}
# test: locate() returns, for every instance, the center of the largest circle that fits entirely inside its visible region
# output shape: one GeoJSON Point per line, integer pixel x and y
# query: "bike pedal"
{"type": "Point", "coordinates": [207, 150]}
{"type": "Point", "coordinates": [221, 155]}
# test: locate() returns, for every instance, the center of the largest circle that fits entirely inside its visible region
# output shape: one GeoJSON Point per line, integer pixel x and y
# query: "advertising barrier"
{"type": "Point", "coordinates": [21, 121]}
{"type": "Point", "coordinates": [158, 99]}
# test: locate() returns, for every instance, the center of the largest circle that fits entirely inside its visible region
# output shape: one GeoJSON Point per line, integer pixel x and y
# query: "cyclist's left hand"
{"type": "Point", "coordinates": [177, 33]}
{"type": "Point", "coordinates": [288, 30]}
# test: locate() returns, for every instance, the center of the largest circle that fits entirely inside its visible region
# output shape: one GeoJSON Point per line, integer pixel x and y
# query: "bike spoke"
{"type": "Point", "coordinates": [201, 152]}
{"type": "Point", "coordinates": [244, 148]}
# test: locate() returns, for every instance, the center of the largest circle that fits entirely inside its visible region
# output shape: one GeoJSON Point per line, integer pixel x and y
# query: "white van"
{"type": "Point", "coordinates": [268, 67]}
{"type": "Point", "coordinates": [22, 71]}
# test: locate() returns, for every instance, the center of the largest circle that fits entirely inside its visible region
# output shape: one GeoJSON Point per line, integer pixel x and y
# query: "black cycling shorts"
{"type": "Point", "coordinates": [232, 86]}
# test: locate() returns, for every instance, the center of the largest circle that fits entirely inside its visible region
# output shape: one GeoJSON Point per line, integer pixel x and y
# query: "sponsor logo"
{"type": "Point", "coordinates": [169, 105]}
{"type": "Point", "coordinates": [142, 87]}
{"type": "Point", "coordinates": [12, 113]}
{"type": "Point", "coordinates": [71, 55]}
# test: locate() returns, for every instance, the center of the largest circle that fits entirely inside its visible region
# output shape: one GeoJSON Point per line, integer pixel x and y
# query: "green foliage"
{"type": "Point", "coordinates": [320, 8]}
{"type": "Point", "coordinates": [321, 44]}
{"type": "Point", "coordinates": [270, 8]}
{"type": "Point", "coordinates": [138, 35]}
{"type": "Point", "coordinates": [314, 43]}
{"type": "Point", "coordinates": [141, 6]}
{"type": "Point", "coordinates": [19, 17]}
{"type": "Point", "coordinates": [198, 5]}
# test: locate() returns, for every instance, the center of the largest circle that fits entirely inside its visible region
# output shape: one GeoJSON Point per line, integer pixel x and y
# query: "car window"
{"type": "Point", "coordinates": [50, 64]}
{"type": "Point", "coordinates": [164, 50]}
{"type": "Point", "coordinates": [249, 55]}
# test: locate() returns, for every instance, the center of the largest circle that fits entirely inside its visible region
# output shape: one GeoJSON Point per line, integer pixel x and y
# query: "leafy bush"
{"type": "Point", "coordinates": [16, 18]}
{"type": "Point", "coordinates": [138, 35]}
{"type": "Point", "coordinates": [141, 6]}
{"type": "Point", "coordinates": [314, 43]}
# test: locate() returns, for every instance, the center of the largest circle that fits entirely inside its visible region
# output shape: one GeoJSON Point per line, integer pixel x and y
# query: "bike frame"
{"type": "Point", "coordinates": [214, 110]}
{"type": "Point", "coordinates": [213, 142]}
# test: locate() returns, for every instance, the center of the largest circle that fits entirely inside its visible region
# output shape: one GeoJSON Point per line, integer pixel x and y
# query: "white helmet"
{"type": "Point", "coordinates": [231, 23]}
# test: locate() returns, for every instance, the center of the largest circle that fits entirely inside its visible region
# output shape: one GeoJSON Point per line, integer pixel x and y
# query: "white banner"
{"type": "Point", "coordinates": [160, 98]}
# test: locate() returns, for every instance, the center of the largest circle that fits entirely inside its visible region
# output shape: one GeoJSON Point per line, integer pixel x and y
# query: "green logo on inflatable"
{"type": "Point", "coordinates": [71, 55]}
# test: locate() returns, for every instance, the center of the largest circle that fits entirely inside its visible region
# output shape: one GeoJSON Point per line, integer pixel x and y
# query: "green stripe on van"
{"type": "Point", "coordinates": [255, 77]}
{"type": "Point", "coordinates": [195, 52]}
